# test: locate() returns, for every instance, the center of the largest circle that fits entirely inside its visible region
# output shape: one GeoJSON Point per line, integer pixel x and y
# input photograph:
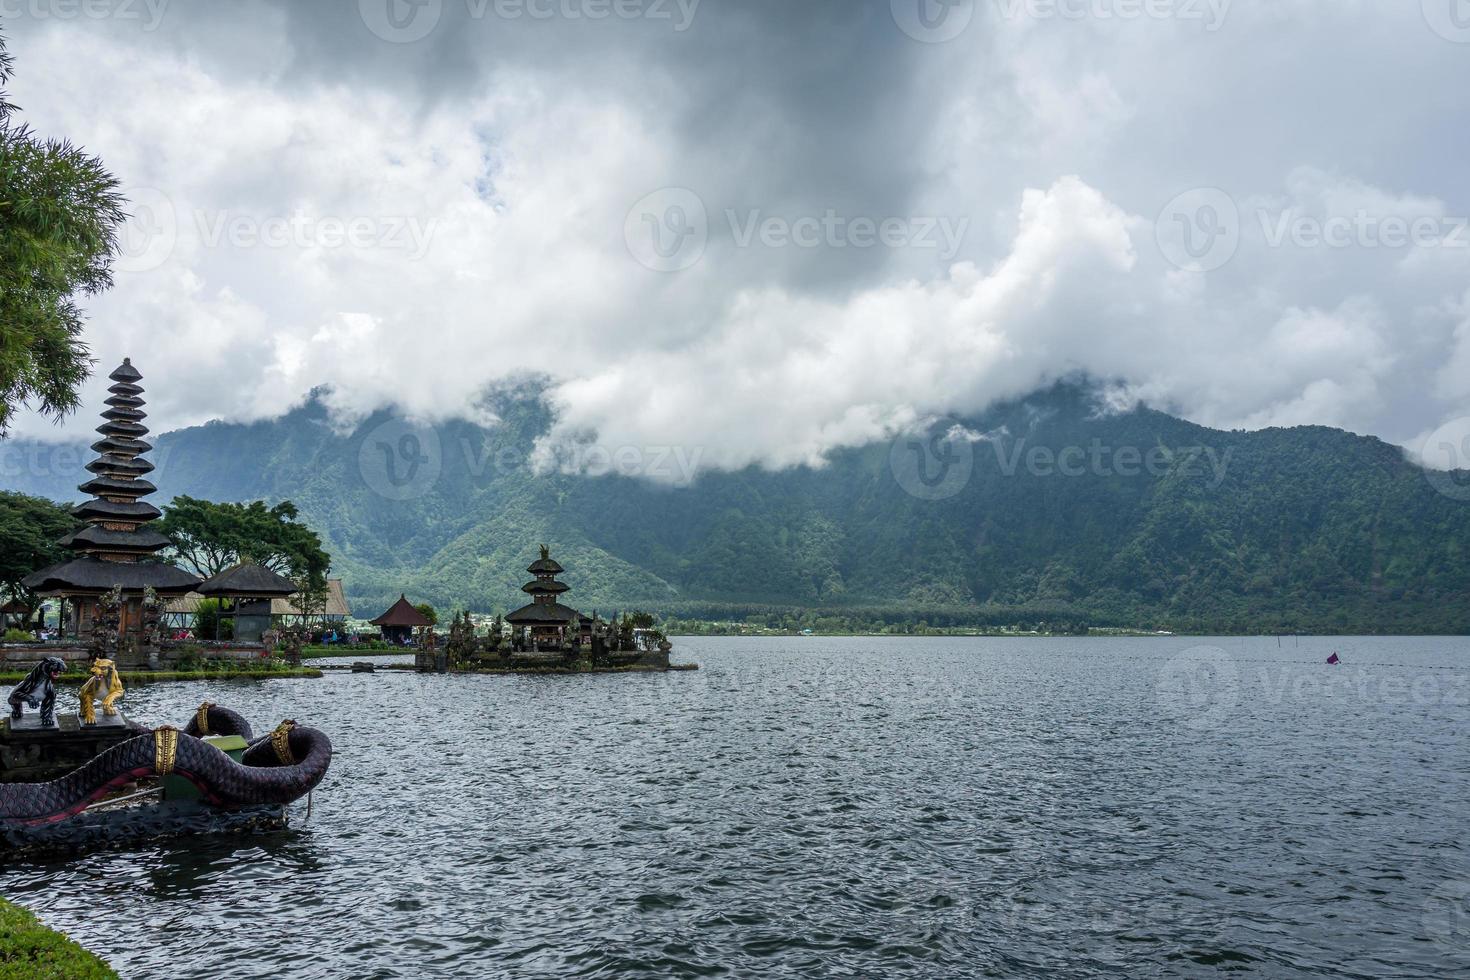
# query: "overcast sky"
{"type": "Point", "coordinates": [767, 228]}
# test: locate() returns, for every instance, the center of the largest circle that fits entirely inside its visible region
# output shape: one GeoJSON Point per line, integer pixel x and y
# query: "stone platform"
{"type": "Point", "coordinates": [30, 753]}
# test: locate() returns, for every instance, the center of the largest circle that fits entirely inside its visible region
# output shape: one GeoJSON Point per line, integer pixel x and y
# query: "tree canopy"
{"type": "Point", "coordinates": [209, 538]}
{"type": "Point", "coordinates": [29, 530]}
{"type": "Point", "coordinates": [59, 215]}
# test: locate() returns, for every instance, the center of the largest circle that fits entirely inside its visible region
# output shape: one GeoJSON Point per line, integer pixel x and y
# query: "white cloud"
{"type": "Point", "coordinates": [452, 213]}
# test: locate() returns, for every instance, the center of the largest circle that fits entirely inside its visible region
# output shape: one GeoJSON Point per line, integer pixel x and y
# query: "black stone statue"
{"type": "Point", "coordinates": [38, 690]}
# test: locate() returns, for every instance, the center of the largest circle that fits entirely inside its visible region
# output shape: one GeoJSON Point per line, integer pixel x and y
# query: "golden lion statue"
{"type": "Point", "coordinates": [104, 685]}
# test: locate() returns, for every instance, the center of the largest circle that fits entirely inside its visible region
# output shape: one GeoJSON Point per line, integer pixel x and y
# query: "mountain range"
{"type": "Point", "coordinates": [1057, 507]}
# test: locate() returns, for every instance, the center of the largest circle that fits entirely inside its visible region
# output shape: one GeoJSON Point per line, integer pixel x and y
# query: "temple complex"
{"type": "Point", "coordinates": [114, 594]}
{"type": "Point", "coordinates": [112, 587]}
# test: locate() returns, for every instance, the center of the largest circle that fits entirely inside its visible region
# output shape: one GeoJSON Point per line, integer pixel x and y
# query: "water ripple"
{"type": "Point", "coordinates": [833, 808]}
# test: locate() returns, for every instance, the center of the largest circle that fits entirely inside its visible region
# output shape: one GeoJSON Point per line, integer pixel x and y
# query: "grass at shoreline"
{"type": "Point", "coordinates": [529, 671]}
{"type": "Point", "coordinates": [1093, 634]}
{"type": "Point", "coordinates": [31, 951]}
{"type": "Point", "coordinates": [162, 676]}
{"type": "Point", "coordinates": [756, 632]}
{"type": "Point", "coordinates": [345, 653]}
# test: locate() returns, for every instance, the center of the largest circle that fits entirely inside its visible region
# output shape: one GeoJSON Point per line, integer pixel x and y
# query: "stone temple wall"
{"type": "Point", "coordinates": [25, 656]}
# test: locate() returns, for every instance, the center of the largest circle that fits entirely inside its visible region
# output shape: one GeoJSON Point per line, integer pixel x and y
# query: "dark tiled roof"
{"type": "Point", "coordinates": [114, 444]}
{"type": "Point", "coordinates": [545, 566]}
{"type": "Point", "coordinates": [96, 575]}
{"type": "Point", "coordinates": [124, 400]}
{"type": "Point", "coordinates": [111, 510]}
{"type": "Point", "coordinates": [125, 372]}
{"type": "Point", "coordinates": [546, 587]}
{"type": "Point", "coordinates": [125, 413]}
{"type": "Point", "coordinates": [113, 464]}
{"type": "Point", "coordinates": [539, 614]}
{"type": "Point", "coordinates": [125, 430]}
{"type": "Point", "coordinates": [248, 580]}
{"type": "Point", "coordinates": [106, 486]}
{"type": "Point", "coordinates": [96, 537]}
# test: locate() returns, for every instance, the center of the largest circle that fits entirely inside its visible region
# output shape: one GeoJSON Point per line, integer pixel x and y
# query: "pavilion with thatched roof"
{"type": "Point", "coordinates": [245, 593]}
{"type": "Point", "coordinates": [399, 622]}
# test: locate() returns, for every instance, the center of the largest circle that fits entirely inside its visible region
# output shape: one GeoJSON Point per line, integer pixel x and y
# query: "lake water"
{"type": "Point", "coordinates": [809, 807]}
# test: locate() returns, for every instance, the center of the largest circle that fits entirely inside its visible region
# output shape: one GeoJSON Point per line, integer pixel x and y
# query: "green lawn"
{"type": "Point", "coordinates": [30, 951]}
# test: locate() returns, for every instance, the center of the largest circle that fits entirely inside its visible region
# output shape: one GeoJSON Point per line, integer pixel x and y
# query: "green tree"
{"type": "Point", "coordinates": [29, 530]}
{"type": "Point", "coordinates": [208, 538]}
{"type": "Point", "coordinates": [211, 621]}
{"type": "Point", "coordinates": [428, 612]}
{"type": "Point", "coordinates": [59, 214]}
{"type": "Point", "coordinates": [312, 594]}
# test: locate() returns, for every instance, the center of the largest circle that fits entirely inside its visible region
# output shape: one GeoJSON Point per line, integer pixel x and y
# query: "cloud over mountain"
{"type": "Point", "coordinates": [765, 229]}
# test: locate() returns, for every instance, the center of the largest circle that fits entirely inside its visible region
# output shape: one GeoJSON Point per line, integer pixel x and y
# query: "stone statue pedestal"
{"type": "Point", "coordinates": [31, 722]}
{"type": "Point", "coordinates": [30, 753]}
{"type": "Point", "coordinates": [102, 721]}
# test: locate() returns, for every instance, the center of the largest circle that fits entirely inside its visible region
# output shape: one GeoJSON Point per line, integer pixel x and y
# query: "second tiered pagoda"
{"type": "Point", "coordinates": [545, 624]}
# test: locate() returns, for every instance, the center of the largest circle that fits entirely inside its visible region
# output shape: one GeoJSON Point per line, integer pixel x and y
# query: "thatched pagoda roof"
{"type": "Point", "coordinates": [97, 537]}
{"type": "Point", "coordinates": [546, 587]}
{"type": "Point", "coordinates": [401, 613]}
{"type": "Point", "coordinates": [543, 614]}
{"type": "Point", "coordinates": [248, 581]}
{"type": "Point", "coordinates": [96, 575]}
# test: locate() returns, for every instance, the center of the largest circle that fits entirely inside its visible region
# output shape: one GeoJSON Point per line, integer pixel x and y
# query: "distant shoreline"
{"type": "Point", "coordinates": [1094, 635]}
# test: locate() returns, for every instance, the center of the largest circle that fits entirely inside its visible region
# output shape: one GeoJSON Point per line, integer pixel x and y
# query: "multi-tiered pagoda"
{"type": "Point", "coordinates": [547, 623]}
{"type": "Point", "coordinates": [115, 547]}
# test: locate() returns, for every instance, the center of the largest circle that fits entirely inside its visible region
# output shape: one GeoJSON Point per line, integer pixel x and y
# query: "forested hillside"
{"type": "Point", "coordinates": [1048, 508]}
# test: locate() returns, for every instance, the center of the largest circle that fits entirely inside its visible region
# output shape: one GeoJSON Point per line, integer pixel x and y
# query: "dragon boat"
{"type": "Point", "coordinates": [211, 776]}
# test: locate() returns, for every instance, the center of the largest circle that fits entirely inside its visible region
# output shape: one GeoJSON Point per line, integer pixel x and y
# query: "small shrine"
{"type": "Point", "coordinates": [398, 624]}
{"type": "Point", "coordinates": [245, 594]}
